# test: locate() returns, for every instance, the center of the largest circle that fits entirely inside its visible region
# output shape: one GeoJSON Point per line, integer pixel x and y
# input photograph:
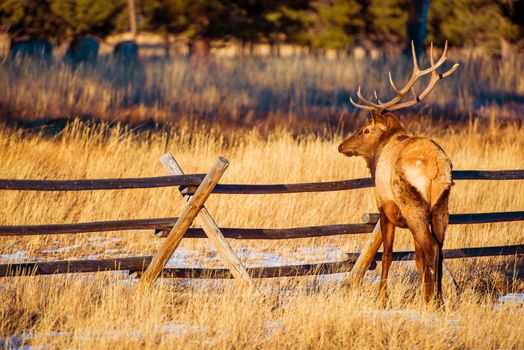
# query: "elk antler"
{"type": "Point", "coordinates": [401, 93]}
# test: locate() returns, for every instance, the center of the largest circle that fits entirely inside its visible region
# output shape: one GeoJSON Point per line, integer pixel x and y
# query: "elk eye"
{"type": "Point", "coordinates": [366, 131]}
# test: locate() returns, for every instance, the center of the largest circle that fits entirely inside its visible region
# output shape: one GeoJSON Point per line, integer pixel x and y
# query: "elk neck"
{"type": "Point", "coordinates": [394, 135]}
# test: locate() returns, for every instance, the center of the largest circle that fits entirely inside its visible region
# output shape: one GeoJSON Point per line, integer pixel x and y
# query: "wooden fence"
{"type": "Point", "coordinates": [196, 188]}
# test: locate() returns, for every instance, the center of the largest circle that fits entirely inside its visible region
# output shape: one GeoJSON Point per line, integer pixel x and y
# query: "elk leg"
{"type": "Point", "coordinates": [419, 260]}
{"type": "Point", "coordinates": [416, 212]}
{"type": "Point", "coordinates": [388, 235]}
{"type": "Point", "coordinates": [439, 224]}
{"type": "Point", "coordinates": [418, 223]}
{"type": "Point", "coordinates": [431, 255]}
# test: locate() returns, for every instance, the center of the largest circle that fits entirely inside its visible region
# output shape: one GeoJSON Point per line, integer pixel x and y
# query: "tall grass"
{"type": "Point", "coordinates": [304, 91]}
{"type": "Point", "coordinates": [107, 310]}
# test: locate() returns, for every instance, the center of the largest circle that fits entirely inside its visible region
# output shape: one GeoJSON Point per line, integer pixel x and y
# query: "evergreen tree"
{"type": "Point", "coordinates": [513, 10]}
{"type": "Point", "coordinates": [289, 21]}
{"type": "Point", "coordinates": [207, 20]}
{"type": "Point", "coordinates": [82, 17]}
{"type": "Point", "coordinates": [165, 17]}
{"type": "Point", "coordinates": [29, 18]}
{"type": "Point", "coordinates": [388, 20]}
{"type": "Point", "coordinates": [336, 24]}
{"type": "Point", "coordinates": [247, 20]}
{"type": "Point", "coordinates": [470, 22]}
{"type": "Point", "coordinates": [317, 23]}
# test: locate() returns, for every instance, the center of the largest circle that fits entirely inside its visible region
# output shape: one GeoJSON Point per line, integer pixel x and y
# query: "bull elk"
{"type": "Point", "coordinates": [412, 178]}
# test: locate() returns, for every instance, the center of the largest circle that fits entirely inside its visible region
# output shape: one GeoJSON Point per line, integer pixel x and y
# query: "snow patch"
{"type": "Point", "coordinates": [512, 298]}
{"type": "Point", "coordinates": [60, 250]}
{"type": "Point", "coordinates": [18, 256]}
{"type": "Point", "coordinates": [23, 341]}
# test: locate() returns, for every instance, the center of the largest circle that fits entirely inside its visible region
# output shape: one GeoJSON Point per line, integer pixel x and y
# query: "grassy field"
{"type": "Point", "coordinates": [278, 120]}
{"type": "Point", "coordinates": [108, 310]}
{"type": "Point", "coordinates": [306, 93]}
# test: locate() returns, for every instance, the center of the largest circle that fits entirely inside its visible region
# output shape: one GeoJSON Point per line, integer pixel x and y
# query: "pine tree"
{"type": "Point", "coordinates": [82, 17]}
{"type": "Point", "coordinates": [165, 17]}
{"type": "Point", "coordinates": [29, 18]}
{"type": "Point", "coordinates": [470, 22]}
{"type": "Point", "coordinates": [289, 21]}
{"type": "Point", "coordinates": [387, 21]}
{"type": "Point", "coordinates": [336, 24]}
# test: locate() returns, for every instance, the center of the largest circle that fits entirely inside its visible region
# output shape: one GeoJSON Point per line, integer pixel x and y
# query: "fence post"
{"type": "Point", "coordinates": [367, 255]}
{"type": "Point", "coordinates": [187, 215]}
{"type": "Point", "coordinates": [212, 230]}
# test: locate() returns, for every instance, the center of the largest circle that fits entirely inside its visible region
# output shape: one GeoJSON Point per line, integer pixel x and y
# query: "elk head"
{"type": "Point", "coordinates": [368, 138]}
{"type": "Point", "coordinates": [382, 124]}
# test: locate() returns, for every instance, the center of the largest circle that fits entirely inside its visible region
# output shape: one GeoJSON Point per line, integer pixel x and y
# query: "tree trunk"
{"type": "Point", "coordinates": [199, 48]}
{"type": "Point", "coordinates": [416, 28]}
{"type": "Point", "coordinates": [132, 18]}
{"type": "Point", "coordinates": [166, 44]}
{"type": "Point", "coordinates": [242, 48]}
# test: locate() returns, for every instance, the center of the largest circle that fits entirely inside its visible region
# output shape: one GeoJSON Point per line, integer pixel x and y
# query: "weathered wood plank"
{"type": "Point", "coordinates": [488, 174]}
{"type": "Point", "coordinates": [97, 226]}
{"type": "Point", "coordinates": [212, 230]}
{"type": "Point", "coordinates": [139, 264]}
{"type": "Point", "coordinates": [465, 219]}
{"type": "Point", "coordinates": [367, 256]}
{"type": "Point", "coordinates": [190, 182]}
{"type": "Point", "coordinates": [350, 184]}
{"type": "Point", "coordinates": [283, 233]}
{"type": "Point", "coordinates": [293, 188]}
{"type": "Point", "coordinates": [101, 184]}
{"type": "Point", "coordinates": [186, 218]}
{"type": "Point", "coordinates": [268, 272]}
{"type": "Point", "coordinates": [458, 253]}
{"type": "Point", "coordinates": [163, 225]}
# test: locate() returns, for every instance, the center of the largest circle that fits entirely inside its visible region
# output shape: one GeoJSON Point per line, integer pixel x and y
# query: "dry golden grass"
{"type": "Point", "coordinates": [107, 310]}
{"type": "Point", "coordinates": [305, 91]}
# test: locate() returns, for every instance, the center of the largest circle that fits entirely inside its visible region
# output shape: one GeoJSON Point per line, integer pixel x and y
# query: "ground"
{"type": "Point", "coordinates": [110, 310]}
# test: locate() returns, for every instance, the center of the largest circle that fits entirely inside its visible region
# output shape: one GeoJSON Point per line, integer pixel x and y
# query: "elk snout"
{"type": "Point", "coordinates": [346, 149]}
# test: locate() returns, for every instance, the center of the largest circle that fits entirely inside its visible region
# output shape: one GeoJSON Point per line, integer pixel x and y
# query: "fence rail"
{"type": "Point", "coordinates": [139, 263]}
{"type": "Point", "coordinates": [162, 225]}
{"type": "Point", "coordinates": [354, 183]}
{"type": "Point", "coordinates": [102, 184]}
{"type": "Point", "coordinates": [463, 219]}
{"type": "Point", "coordinates": [188, 185]}
{"type": "Point", "coordinates": [454, 253]}
{"type": "Point", "coordinates": [192, 181]}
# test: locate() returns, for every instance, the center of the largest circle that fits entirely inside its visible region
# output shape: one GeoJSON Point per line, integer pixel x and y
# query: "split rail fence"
{"type": "Point", "coordinates": [196, 188]}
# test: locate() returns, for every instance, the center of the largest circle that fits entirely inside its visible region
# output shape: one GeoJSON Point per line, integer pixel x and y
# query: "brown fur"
{"type": "Point", "coordinates": [413, 180]}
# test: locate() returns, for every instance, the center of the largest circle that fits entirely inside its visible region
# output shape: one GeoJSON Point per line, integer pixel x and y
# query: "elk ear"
{"type": "Point", "coordinates": [393, 122]}
{"type": "Point", "coordinates": [372, 120]}
{"type": "Point", "coordinates": [380, 121]}
{"type": "Point", "coordinates": [375, 117]}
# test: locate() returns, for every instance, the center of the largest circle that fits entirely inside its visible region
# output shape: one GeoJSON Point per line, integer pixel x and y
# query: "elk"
{"type": "Point", "coordinates": [412, 178]}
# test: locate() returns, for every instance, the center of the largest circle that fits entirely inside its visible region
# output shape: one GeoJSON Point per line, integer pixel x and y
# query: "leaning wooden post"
{"type": "Point", "coordinates": [186, 218]}
{"type": "Point", "coordinates": [367, 255]}
{"type": "Point", "coordinates": [212, 230]}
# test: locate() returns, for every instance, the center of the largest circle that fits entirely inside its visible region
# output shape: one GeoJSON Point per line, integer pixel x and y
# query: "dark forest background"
{"type": "Point", "coordinates": [315, 24]}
